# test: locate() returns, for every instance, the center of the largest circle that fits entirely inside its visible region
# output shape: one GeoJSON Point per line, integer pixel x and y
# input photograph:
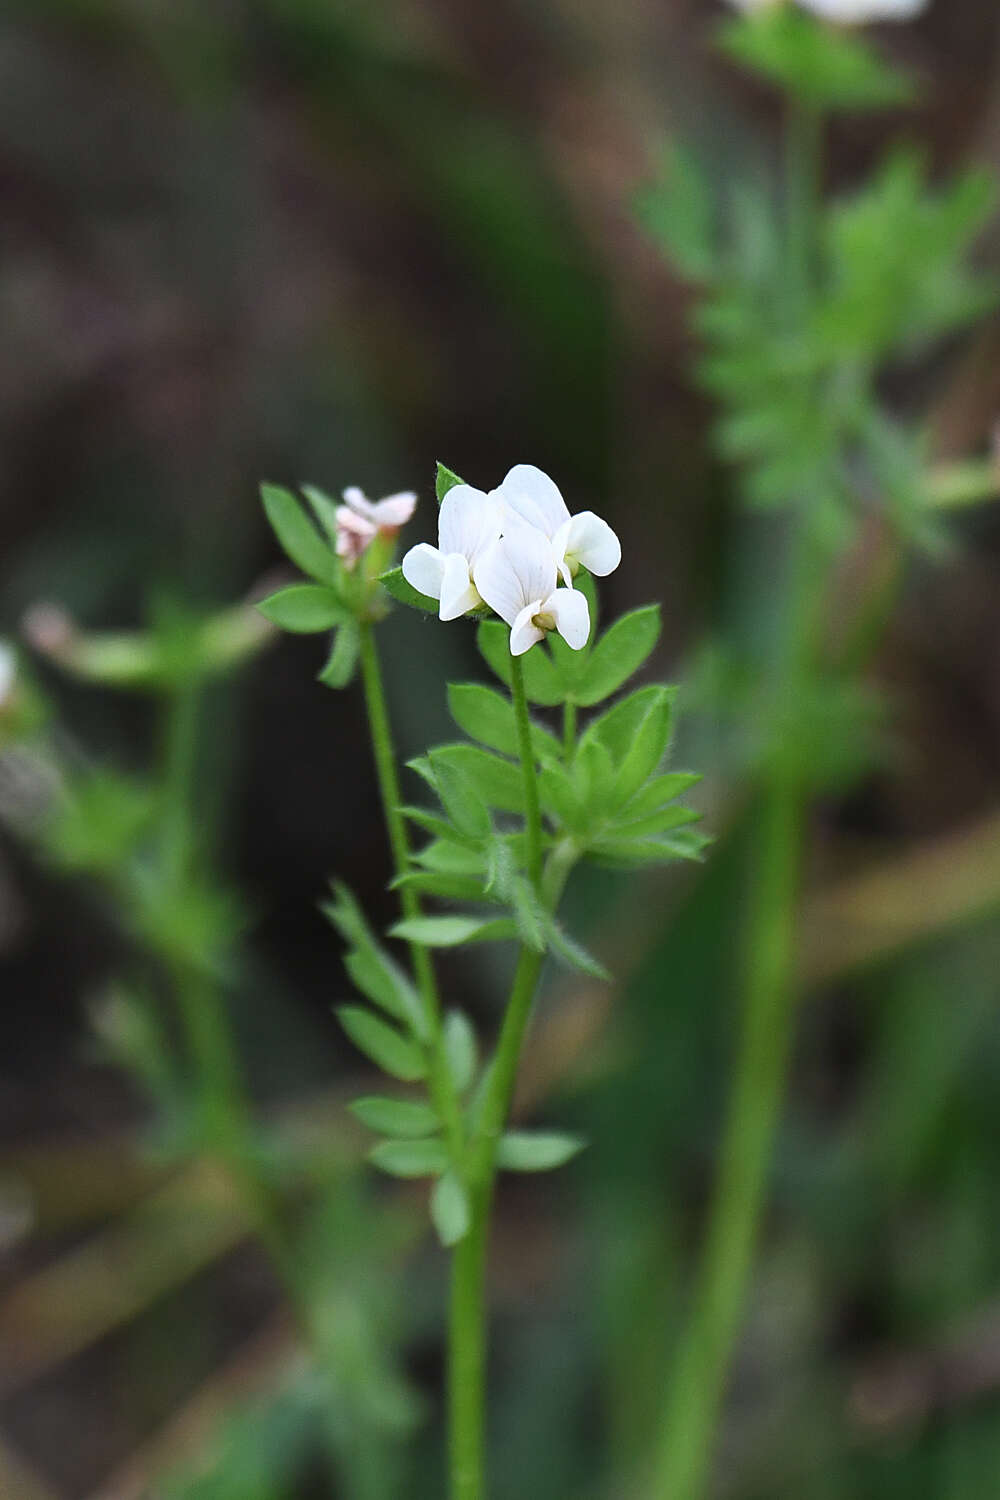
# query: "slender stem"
{"type": "Point", "coordinates": [569, 729]}
{"type": "Point", "coordinates": [439, 1078]}
{"type": "Point", "coordinates": [533, 816]}
{"type": "Point", "coordinates": [695, 1394]}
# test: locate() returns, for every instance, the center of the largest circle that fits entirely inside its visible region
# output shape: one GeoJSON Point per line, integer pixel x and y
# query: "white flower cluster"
{"type": "Point", "coordinates": [848, 12]}
{"type": "Point", "coordinates": [511, 549]}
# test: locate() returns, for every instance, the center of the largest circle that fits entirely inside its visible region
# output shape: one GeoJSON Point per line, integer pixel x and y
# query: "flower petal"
{"type": "Point", "coordinates": [523, 634]}
{"type": "Point", "coordinates": [359, 502]}
{"type": "Point", "coordinates": [394, 510]}
{"type": "Point", "coordinates": [591, 541]}
{"type": "Point", "coordinates": [457, 591]}
{"type": "Point", "coordinates": [571, 612]}
{"type": "Point", "coordinates": [354, 534]}
{"type": "Point", "coordinates": [423, 569]}
{"type": "Point", "coordinates": [534, 497]}
{"type": "Point", "coordinates": [516, 570]}
{"type": "Point", "coordinates": [468, 521]}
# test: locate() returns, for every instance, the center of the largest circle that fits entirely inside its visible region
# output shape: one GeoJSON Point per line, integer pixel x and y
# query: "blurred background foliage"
{"type": "Point", "coordinates": [304, 240]}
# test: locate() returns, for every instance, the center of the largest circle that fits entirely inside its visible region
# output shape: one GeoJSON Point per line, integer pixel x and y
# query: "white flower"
{"type": "Point", "coordinates": [529, 496]}
{"type": "Point", "coordinates": [517, 577]}
{"type": "Point", "coordinates": [857, 12]}
{"type": "Point", "coordinates": [848, 12]}
{"type": "Point", "coordinates": [360, 520]}
{"type": "Point", "coordinates": [468, 522]}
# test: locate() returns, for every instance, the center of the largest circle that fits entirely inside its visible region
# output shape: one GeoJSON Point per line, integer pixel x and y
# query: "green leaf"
{"type": "Point", "coordinates": [656, 793]}
{"type": "Point", "coordinates": [324, 509]}
{"type": "Point", "coordinates": [488, 717]}
{"type": "Point", "coordinates": [617, 728]}
{"type": "Point", "coordinates": [451, 931]}
{"type": "Point", "coordinates": [297, 535]}
{"type": "Point", "coordinates": [621, 650]}
{"type": "Point", "coordinates": [396, 1117]}
{"type": "Point", "coordinates": [386, 1046]}
{"type": "Point", "coordinates": [558, 794]}
{"type": "Point", "coordinates": [422, 1158]}
{"type": "Point", "coordinates": [438, 883]}
{"type": "Point", "coordinates": [541, 681]}
{"type": "Point", "coordinates": [823, 66]}
{"type": "Point", "coordinates": [648, 747]}
{"type": "Point", "coordinates": [663, 821]}
{"type": "Point", "coordinates": [631, 854]}
{"type": "Point", "coordinates": [432, 824]}
{"type": "Point", "coordinates": [373, 971]}
{"type": "Point", "coordinates": [450, 858]}
{"type": "Point", "coordinates": [451, 1214]}
{"type": "Point", "coordinates": [395, 584]}
{"type": "Point", "coordinates": [343, 659]}
{"type": "Point", "coordinates": [593, 781]}
{"type": "Point", "coordinates": [459, 797]}
{"type": "Point", "coordinates": [536, 1150]}
{"type": "Point", "coordinates": [444, 481]}
{"type": "Point", "coordinates": [498, 783]}
{"type": "Point", "coordinates": [304, 609]}
{"type": "Point", "coordinates": [572, 953]}
{"type": "Point", "coordinates": [461, 1049]}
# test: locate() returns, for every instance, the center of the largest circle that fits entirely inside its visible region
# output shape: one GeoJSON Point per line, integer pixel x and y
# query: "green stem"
{"type": "Point", "coordinates": [569, 730]}
{"type": "Point", "coordinates": [467, 1316]}
{"type": "Point", "coordinates": [533, 815]}
{"type": "Point", "coordinates": [703, 1359]}
{"type": "Point", "coordinates": [694, 1397]}
{"type": "Point", "coordinates": [439, 1078]}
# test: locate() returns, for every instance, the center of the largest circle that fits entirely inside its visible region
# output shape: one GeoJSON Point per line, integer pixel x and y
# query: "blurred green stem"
{"type": "Point", "coordinates": [467, 1321]}
{"type": "Point", "coordinates": [695, 1392]}
{"type": "Point", "coordinates": [569, 730]}
{"type": "Point", "coordinates": [439, 1077]}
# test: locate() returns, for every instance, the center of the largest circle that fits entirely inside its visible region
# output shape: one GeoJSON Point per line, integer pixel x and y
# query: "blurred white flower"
{"type": "Point", "coordinates": [517, 577]}
{"type": "Point", "coordinates": [530, 497]}
{"type": "Point", "coordinates": [848, 12]}
{"type": "Point", "coordinates": [469, 521]}
{"type": "Point", "coordinates": [360, 520]}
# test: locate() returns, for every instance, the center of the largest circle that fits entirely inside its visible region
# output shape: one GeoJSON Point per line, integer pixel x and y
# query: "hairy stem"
{"type": "Point", "coordinates": [467, 1323]}
{"type": "Point", "coordinates": [439, 1078]}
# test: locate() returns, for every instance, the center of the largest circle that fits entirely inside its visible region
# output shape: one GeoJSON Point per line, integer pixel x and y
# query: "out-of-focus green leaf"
{"type": "Point", "coordinates": [342, 662]}
{"type": "Point", "coordinates": [304, 608]}
{"type": "Point", "coordinates": [450, 1211]}
{"type": "Point", "coordinates": [396, 1117]}
{"type": "Point", "coordinates": [386, 1046]}
{"type": "Point", "coordinates": [536, 1150]}
{"type": "Point", "coordinates": [419, 1158]}
{"type": "Point", "coordinates": [297, 535]}
{"type": "Point", "coordinates": [461, 1049]}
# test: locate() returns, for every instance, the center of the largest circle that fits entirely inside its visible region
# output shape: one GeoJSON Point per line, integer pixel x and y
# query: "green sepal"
{"type": "Point", "coordinates": [305, 608]}
{"type": "Point", "coordinates": [297, 535]}
{"type": "Point", "coordinates": [536, 1150]}
{"type": "Point", "coordinates": [444, 480]}
{"type": "Point", "coordinates": [342, 662]}
{"type": "Point", "coordinates": [451, 1213]}
{"type": "Point", "coordinates": [395, 584]}
{"type": "Point", "coordinates": [418, 1158]}
{"type": "Point", "coordinates": [386, 1046]}
{"type": "Point", "coordinates": [402, 1118]}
